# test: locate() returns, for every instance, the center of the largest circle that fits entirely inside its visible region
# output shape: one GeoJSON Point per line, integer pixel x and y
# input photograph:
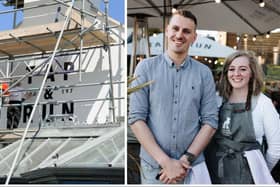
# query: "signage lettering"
{"type": "Point", "coordinates": [48, 109]}
{"type": "Point", "coordinates": [51, 76]}
{"type": "Point", "coordinates": [201, 45]}
{"type": "Point", "coordinates": [27, 109]}
{"type": "Point", "coordinates": [44, 110]}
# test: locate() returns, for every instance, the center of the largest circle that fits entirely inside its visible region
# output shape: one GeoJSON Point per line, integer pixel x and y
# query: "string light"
{"type": "Point", "coordinates": [237, 38]}
{"type": "Point", "coordinates": [218, 1]}
{"type": "Point", "coordinates": [174, 9]}
{"type": "Point", "coordinates": [262, 3]}
{"type": "Point", "coordinates": [254, 38]}
{"type": "Point", "coordinates": [267, 35]}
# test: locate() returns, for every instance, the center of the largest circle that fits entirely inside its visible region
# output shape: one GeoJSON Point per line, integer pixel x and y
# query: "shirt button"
{"type": "Point", "coordinates": [173, 136]}
{"type": "Point", "coordinates": [176, 86]}
{"type": "Point", "coordinates": [174, 118]}
{"type": "Point", "coordinates": [175, 102]}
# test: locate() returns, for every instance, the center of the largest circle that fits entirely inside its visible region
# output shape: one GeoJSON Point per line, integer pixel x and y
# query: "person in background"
{"type": "Point", "coordinates": [4, 94]}
{"type": "Point", "coordinates": [17, 96]}
{"type": "Point", "coordinates": [275, 97]}
{"type": "Point", "coordinates": [175, 117]}
{"type": "Point", "coordinates": [246, 118]}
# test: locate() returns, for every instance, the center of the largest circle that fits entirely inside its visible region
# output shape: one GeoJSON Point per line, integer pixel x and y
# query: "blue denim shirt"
{"type": "Point", "coordinates": [175, 105]}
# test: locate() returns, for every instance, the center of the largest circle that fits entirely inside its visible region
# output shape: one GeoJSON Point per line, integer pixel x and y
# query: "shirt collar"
{"type": "Point", "coordinates": [171, 64]}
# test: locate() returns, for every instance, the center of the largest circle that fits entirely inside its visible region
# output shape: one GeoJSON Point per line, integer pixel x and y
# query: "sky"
{"type": "Point", "coordinates": [116, 11]}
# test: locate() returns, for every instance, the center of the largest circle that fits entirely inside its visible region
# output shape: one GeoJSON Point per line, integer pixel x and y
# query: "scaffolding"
{"type": "Point", "coordinates": [80, 31]}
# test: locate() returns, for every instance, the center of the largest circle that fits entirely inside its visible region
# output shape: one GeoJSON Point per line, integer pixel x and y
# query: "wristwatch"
{"type": "Point", "coordinates": [191, 157]}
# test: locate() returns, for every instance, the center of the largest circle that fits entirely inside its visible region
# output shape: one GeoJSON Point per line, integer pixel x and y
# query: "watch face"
{"type": "Point", "coordinates": [190, 157]}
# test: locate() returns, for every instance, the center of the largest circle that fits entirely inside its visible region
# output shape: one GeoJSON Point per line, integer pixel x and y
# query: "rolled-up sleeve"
{"type": "Point", "coordinates": [139, 100]}
{"type": "Point", "coordinates": [209, 106]}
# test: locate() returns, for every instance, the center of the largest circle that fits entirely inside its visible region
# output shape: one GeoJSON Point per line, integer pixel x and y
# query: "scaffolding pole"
{"type": "Point", "coordinates": [67, 86]}
{"type": "Point", "coordinates": [31, 7]}
{"type": "Point", "coordinates": [46, 55]}
{"type": "Point", "coordinates": [111, 91]}
{"type": "Point", "coordinates": [15, 16]}
{"type": "Point", "coordinates": [22, 77]}
{"type": "Point", "coordinates": [63, 101]}
{"type": "Point", "coordinates": [39, 94]}
{"type": "Point", "coordinates": [81, 41]}
{"type": "Point", "coordinates": [79, 10]}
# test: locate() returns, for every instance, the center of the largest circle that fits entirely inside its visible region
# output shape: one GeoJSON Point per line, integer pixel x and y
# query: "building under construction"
{"type": "Point", "coordinates": [71, 129]}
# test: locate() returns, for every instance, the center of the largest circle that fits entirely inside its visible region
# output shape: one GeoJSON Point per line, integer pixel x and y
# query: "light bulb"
{"type": "Point", "coordinates": [174, 10]}
{"type": "Point", "coordinates": [262, 3]}
{"type": "Point", "coordinates": [237, 38]}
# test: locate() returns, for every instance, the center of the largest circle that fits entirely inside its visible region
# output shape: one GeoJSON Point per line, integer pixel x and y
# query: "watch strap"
{"type": "Point", "coordinates": [191, 157]}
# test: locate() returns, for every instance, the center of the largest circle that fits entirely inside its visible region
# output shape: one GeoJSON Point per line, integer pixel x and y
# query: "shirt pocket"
{"type": "Point", "coordinates": [191, 95]}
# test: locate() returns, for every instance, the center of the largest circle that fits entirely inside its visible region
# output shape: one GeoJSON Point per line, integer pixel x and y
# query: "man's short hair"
{"type": "Point", "coordinates": [186, 14]}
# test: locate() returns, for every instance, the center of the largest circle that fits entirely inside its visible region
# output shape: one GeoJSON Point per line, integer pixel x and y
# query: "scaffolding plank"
{"type": "Point", "coordinates": [27, 42]}
{"type": "Point", "coordinates": [30, 31]}
{"type": "Point", "coordinates": [41, 37]}
{"type": "Point", "coordinates": [4, 52]}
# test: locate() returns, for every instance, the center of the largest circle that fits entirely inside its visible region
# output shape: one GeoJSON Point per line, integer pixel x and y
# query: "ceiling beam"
{"type": "Point", "coordinates": [241, 17]}
{"type": "Point", "coordinates": [151, 3]}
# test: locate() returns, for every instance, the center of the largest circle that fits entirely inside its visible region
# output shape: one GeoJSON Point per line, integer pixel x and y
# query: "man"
{"type": "Point", "coordinates": [3, 87]}
{"type": "Point", "coordinates": [17, 96]}
{"type": "Point", "coordinates": [175, 117]}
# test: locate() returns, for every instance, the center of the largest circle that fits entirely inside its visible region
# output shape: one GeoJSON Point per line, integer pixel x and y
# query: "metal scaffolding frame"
{"type": "Point", "coordinates": [66, 41]}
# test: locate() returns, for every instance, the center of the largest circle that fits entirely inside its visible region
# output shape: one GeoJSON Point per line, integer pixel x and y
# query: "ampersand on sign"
{"type": "Point", "coordinates": [48, 93]}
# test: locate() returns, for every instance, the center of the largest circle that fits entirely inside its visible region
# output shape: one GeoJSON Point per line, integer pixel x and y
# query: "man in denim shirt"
{"type": "Point", "coordinates": [175, 117]}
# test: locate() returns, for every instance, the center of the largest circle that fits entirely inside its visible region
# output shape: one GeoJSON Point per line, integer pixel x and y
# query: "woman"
{"type": "Point", "coordinates": [246, 116]}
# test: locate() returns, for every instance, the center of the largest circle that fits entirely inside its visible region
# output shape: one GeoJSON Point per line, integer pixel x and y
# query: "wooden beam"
{"type": "Point", "coordinates": [27, 42]}
{"type": "Point", "coordinates": [4, 52]}
{"type": "Point", "coordinates": [33, 30]}
{"type": "Point", "coordinates": [65, 39]}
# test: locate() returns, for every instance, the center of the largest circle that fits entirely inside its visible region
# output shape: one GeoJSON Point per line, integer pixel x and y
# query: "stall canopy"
{"type": "Point", "coordinates": [237, 16]}
{"type": "Point", "coordinates": [203, 46]}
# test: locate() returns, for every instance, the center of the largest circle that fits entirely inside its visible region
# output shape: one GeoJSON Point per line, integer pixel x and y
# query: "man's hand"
{"type": "Point", "coordinates": [173, 171]}
{"type": "Point", "coordinates": [185, 160]}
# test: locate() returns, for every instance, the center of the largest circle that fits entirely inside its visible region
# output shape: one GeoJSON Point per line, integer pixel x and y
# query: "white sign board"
{"type": "Point", "coordinates": [201, 47]}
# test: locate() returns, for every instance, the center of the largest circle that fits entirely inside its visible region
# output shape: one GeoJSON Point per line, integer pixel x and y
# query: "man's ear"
{"type": "Point", "coordinates": [166, 30]}
{"type": "Point", "coordinates": [195, 36]}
